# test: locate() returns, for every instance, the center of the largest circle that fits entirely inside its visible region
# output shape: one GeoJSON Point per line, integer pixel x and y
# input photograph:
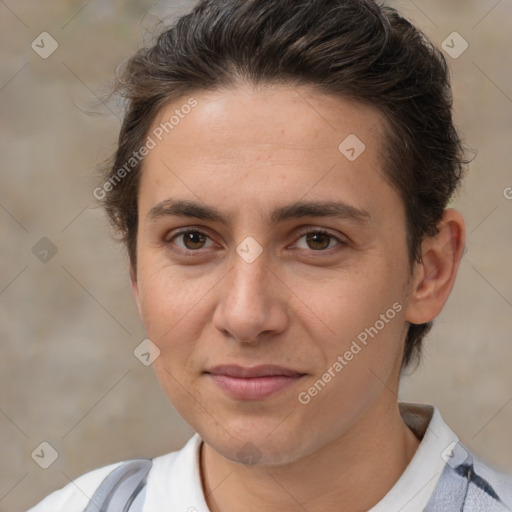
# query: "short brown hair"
{"type": "Point", "coordinates": [352, 49]}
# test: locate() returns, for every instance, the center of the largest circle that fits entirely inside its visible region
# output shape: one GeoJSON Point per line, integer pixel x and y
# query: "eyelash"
{"type": "Point", "coordinates": [191, 252]}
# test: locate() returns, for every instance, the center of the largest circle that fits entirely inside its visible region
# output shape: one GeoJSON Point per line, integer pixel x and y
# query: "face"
{"type": "Point", "coordinates": [262, 241]}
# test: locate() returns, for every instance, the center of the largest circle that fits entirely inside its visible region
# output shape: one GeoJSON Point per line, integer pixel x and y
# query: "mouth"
{"type": "Point", "coordinates": [253, 383]}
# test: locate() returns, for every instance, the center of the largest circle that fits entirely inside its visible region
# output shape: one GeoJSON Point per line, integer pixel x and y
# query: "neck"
{"type": "Point", "coordinates": [356, 470]}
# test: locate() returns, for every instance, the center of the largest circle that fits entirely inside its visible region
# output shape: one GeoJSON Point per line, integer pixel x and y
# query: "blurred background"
{"type": "Point", "coordinates": [68, 323]}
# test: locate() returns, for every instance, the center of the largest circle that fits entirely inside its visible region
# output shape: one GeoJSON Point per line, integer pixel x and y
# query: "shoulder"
{"type": "Point", "coordinates": [492, 482]}
{"type": "Point", "coordinates": [460, 478]}
{"type": "Point", "coordinates": [470, 484]}
{"type": "Point", "coordinates": [75, 496]}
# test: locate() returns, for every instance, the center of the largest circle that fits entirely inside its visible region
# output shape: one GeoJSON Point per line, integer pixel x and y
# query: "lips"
{"type": "Point", "coordinates": [263, 370]}
{"type": "Point", "coordinates": [253, 383]}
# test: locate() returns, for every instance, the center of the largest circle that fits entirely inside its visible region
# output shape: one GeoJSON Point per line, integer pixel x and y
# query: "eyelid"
{"type": "Point", "coordinates": [168, 238]}
{"type": "Point", "coordinates": [317, 229]}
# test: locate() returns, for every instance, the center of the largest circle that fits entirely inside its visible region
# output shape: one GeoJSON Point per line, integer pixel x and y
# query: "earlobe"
{"type": "Point", "coordinates": [435, 275]}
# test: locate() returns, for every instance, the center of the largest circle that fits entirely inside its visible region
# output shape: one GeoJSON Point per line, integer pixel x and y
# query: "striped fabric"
{"type": "Point", "coordinates": [461, 489]}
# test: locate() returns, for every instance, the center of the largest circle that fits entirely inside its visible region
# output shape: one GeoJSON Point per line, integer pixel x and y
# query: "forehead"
{"type": "Point", "coordinates": [267, 144]}
{"type": "Point", "coordinates": [268, 116]}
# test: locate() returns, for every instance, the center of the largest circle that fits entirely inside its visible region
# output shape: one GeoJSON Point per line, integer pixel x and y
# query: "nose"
{"type": "Point", "coordinates": [253, 303]}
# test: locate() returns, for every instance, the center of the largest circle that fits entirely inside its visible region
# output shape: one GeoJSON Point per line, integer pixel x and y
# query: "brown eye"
{"type": "Point", "coordinates": [193, 239]}
{"type": "Point", "coordinates": [188, 240]}
{"type": "Point", "coordinates": [318, 241]}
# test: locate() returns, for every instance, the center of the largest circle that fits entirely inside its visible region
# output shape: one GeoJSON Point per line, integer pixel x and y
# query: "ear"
{"type": "Point", "coordinates": [434, 276]}
{"type": "Point", "coordinates": [135, 287]}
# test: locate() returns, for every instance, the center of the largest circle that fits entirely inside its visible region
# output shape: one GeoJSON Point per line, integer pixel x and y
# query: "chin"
{"type": "Point", "coordinates": [256, 445]}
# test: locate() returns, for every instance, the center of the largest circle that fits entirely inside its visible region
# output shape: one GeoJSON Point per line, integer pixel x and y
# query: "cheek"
{"type": "Point", "coordinates": [366, 315]}
{"type": "Point", "coordinates": [171, 312]}
{"type": "Point", "coordinates": [364, 312]}
{"type": "Point", "coordinates": [176, 308]}
{"type": "Point", "coordinates": [352, 300]}
{"type": "Point", "coordinates": [165, 300]}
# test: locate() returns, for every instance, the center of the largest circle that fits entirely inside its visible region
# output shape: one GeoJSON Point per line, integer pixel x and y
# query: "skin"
{"type": "Point", "coordinates": [299, 304]}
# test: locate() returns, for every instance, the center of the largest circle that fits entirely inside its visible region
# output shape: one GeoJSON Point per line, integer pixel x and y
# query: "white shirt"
{"type": "Point", "coordinates": [174, 482]}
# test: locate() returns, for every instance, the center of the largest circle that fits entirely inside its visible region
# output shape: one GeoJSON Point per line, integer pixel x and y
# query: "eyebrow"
{"type": "Point", "coordinates": [186, 208]}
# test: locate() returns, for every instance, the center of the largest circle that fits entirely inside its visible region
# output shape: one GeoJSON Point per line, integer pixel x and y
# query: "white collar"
{"type": "Point", "coordinates": [413, 489]}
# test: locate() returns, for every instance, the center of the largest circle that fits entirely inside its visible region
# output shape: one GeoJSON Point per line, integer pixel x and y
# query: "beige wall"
{"type": "Point", "coordinates": [68, 327]}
